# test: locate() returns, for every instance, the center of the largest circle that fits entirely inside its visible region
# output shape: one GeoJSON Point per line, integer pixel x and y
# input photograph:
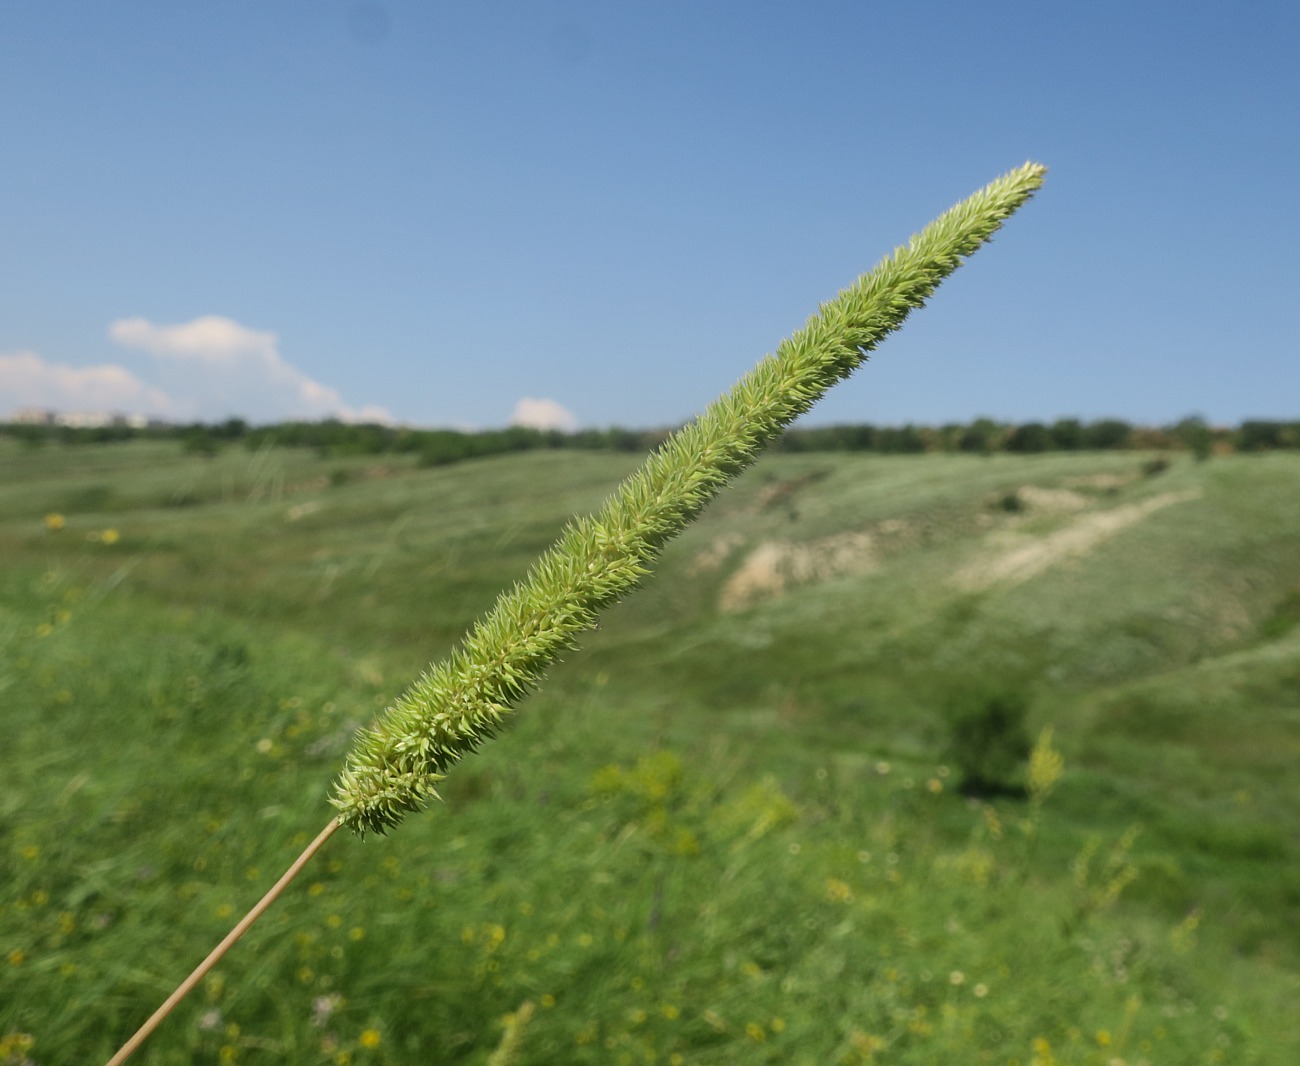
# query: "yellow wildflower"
{"type": "Point", "coordinates": [14, 1044]}
{"type": "Point", "coordinates": [1045, 767]}
{"type": "Point", "coordinates": [838, 891]}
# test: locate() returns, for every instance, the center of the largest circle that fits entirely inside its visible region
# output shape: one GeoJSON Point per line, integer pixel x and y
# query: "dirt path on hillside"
{"type": "Point", "coordinates": [1027, 557]}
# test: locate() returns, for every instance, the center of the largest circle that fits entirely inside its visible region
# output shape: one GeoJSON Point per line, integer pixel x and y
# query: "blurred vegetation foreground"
{"type": "Point", "coordinates": [896, 759]}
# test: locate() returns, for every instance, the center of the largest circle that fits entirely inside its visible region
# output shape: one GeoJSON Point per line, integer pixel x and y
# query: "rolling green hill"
{"type": "Point", "coordinates": [731, 828]}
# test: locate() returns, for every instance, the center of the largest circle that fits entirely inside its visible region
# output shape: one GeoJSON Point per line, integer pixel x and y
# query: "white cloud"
{"type": "Point", "coordinates": [543, 414]}
{"type": "Point", "coordinates": [211, 339]}
{"type": "Point", "coordinates": [223, 368]}
{"type": "Point", "coordinates": [27, 380]}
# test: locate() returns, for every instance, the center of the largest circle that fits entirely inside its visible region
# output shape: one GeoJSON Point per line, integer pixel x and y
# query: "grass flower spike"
{"type": "Point", "coordinates": [461, 702]}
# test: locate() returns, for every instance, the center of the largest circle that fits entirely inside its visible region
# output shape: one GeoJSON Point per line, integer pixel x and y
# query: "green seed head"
{"type": "Point", "coordinates": [462, 701]}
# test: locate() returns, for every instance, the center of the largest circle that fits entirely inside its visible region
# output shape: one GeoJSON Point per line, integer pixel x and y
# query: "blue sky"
{"type": "Point", "coordinates": [435, 211]}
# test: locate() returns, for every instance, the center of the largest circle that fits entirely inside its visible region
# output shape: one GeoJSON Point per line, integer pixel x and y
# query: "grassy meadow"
{"type": "Point", "coordinates": [731, 828]}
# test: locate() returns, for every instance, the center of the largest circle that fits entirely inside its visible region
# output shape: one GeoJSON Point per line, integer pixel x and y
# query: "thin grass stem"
{"type": "Point", "coordinates": [183, 989]}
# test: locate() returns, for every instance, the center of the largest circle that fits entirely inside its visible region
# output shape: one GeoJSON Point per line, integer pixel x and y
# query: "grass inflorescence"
{"type": "Point", "coordinates": [459, 703]}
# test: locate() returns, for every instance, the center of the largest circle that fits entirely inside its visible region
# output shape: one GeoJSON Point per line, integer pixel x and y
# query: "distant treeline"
{"type": "Point", "coordinates": [438, 446]}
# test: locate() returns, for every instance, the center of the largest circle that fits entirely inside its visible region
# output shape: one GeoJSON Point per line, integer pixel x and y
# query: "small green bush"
{"type": "Point", "coordinates": [988, 739]}
{"type": "Point", "coordinates": [1284, 618]}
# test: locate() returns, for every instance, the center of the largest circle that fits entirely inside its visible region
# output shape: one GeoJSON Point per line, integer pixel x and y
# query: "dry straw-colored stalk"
{"type": "Point", "coordinates": [214, 956]}
{"type": "Point", "coordinates": [395, 765]}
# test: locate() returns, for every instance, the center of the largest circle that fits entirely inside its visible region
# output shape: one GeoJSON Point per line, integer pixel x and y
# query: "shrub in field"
{"type": "Point", "coordinates": [1108, 433]}
{"type": "Point", "coordinates": [1256, 435]}
{"type": "Point", "coordinates": [1196, 436]}
{"type": "Point", "coordinates": [983, 436]}
{"type": "Point", "coordinates": [988, 739]}
{"type": "Point", "coordinates": [1284, 617]}
{"type": "Point", "coordinates": [1029, 437]}
{"type": "Point", "coordinates": [1066, 434]}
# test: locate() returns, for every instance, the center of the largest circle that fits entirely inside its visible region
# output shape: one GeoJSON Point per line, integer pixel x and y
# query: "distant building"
{"type": "Point", "coordinates": [87, 419]}
{"type": "Point", "coordinates": [33, 416]}
{"type": "Point", "coordinates": [40, 416]}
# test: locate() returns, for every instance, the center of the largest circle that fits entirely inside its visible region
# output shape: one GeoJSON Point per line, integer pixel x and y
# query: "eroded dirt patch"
{"type": "Point", "coordinates": [711, 558]}
{"type": "Point", "coordinates": [1105, 481]}
{"type": "Point", "coordinates": [1017, 557]}
{"type": "Point", "coordinates": [1037, 499]}
{"type": "Point", "coordinates": [777, 565]}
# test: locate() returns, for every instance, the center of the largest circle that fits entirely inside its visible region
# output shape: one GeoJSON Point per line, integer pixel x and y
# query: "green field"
{"type": "Point", "coordinates": [729, 829]}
